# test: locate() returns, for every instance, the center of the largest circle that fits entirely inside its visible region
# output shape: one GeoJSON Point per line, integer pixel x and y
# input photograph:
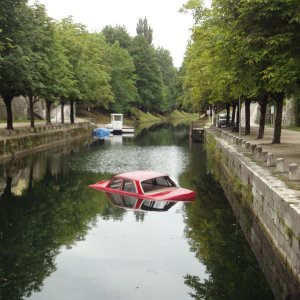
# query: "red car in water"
{"type": "Point", "coordinates": [145, 185]}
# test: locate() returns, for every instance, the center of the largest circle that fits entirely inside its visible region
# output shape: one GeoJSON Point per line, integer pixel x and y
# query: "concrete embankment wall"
{"type": "Point", "coordinates": [24, 141]}
{"type": "Point", "coordinates": [275, 207]}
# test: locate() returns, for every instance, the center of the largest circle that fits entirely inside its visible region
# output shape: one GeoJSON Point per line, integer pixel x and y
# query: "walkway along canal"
{"type": "Point", "coordinates": [61, 240]}
{"type": "Point", "coordinates": [274, 207]}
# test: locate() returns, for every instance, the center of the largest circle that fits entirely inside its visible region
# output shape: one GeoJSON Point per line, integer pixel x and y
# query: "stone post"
{"type": "Point", "coordinates": [253, 147]}
{"type": "Point", "coordinates": [279, 165]}
{"type": "Point", "coordinates": [294, 172]}
{"type": "Point", "coordinates": [247, 146]}
{"type": "Point", "coordinates": [257, 153]}
{"type": "Point", "coordinates": [264, 155]}
{"type": "Point", "coordinates": [270, 160]}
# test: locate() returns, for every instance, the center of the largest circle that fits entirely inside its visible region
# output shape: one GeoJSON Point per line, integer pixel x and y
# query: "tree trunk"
{"type": "Point", "coordinates": [278, 119]}
{"type": "Point", "coordinates": [247, 116]}
{"type": "Point", "coordinates": [262, 121]}
{"type": "Point", "coordinates": [62, 104]}
{"type": "Point", "coordinates": [31, 112]}
{"type": "Point", "coordinates": [48, 112]}
{"type": "Point", "coordinates": [7, 100]}
{"type": "Point", "coordinates": [237, 125]}
{"type": "Point", "coordinates": [72, 111]}
{"type": "Point", "coordinates": [233, 114]}
{"type": "Point", "coordinates": [227, 113]}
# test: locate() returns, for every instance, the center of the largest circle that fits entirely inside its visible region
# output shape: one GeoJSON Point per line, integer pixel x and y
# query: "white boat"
{"type": "Point", "coordinates": [116, 125]}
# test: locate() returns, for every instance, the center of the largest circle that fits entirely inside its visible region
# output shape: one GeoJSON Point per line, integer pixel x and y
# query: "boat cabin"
{"type": "Point", "coordinates": [117, 122]}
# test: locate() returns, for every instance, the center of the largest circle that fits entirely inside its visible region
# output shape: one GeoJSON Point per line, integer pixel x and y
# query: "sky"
{"type": "Point", "coordinates": [171, 29]}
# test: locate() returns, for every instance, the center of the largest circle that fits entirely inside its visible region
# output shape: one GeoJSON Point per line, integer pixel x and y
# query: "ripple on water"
{"type": "Point", "coordinates": [114, 160]}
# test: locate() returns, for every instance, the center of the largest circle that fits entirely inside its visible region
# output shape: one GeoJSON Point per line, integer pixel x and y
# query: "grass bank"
{"type": "Point", "coordinates": [138, 117]}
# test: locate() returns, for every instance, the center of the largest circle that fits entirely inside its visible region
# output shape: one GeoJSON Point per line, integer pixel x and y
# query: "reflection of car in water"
{"type": "Point", "coordinates": [134, 203]}
{"type": "Point", "coordinates": [145, 185]}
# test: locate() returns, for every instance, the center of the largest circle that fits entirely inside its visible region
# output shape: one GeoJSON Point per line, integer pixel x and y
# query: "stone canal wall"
{"type": "Point", "coordinates": [22, 141]}
{"type": "Point", "coordinates": [275, 207]}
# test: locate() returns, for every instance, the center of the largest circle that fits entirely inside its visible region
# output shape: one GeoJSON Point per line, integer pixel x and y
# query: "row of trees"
{"type": "Point", "coordinates": [63, 62]}
{"type": "Point", "coordinates": [248, 50]}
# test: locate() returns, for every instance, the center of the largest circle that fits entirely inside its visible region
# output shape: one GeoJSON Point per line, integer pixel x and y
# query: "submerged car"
{"type": "Point", "coordinates": [145, 185]}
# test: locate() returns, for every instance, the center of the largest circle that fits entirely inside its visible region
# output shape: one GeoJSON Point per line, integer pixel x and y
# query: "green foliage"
{"type": "Point", "coordinates": [144, 29]}
{"type": "Point", "coordinates": [169, 77]}
{"type": "Point", "coordinates": [117, 33]}
{"type": "Point", "coordinates": [242, 49]}
{"type": "Point", "coordinates": [121, 69]}
{"type": "Point", "coordinates": [149, 77]}
{"type": "Point", "coordinates": [61, 61]}
{"type": "Point", "coordinates": [85, 53]}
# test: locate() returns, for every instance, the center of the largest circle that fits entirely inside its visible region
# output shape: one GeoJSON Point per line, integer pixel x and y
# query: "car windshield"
{"type": "Point", "coordinates": [156, 184]}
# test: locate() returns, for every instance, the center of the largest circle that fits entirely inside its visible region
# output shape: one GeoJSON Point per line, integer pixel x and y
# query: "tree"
{"type": "Point", "coordinates": [169, 77]}
{"type": "Point", "coordinates": [148, 75]}
{"type": "Point", "coordinates": [85, 53]}
{"type": "Point", "coordinates": [123, 80]}
{"type": "Point", "coordinates": [39, 35]}
{"type": "Point", "coordinates": [117, 33]}
{"type": "Point", "coordinates": [144, 29]}
{"type": "Point", "coordinates": [252, 51]}
{"type": "Point", "coordinates": [15, 62]}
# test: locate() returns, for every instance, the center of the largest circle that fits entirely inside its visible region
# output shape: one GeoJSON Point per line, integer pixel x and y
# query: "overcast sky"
{"type": "Point", "coordinates": [170, 28]}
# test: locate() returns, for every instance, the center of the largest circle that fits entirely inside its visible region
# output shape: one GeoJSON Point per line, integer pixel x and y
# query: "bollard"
{"type": "Point", "coordinates": [244, 144]}
{"type": "Point", "coordinates": [257, 152]}
{"type": "Point", "coordinates": [240, 141]}
{"type": "Point", "coordinates": [294, 172]}
{"type": "Point", "coordinates": [279, 165]}
{"type": "Point", "coordinates": [247, 146]}
{"type": "Point", "coordinates": [270, 160]}
{"type": "Point", "coordinates": [264, 155]}
{"type": "Point", "coordinates": [253, 147]}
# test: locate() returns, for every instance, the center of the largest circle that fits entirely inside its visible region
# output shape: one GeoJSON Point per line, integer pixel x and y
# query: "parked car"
{"type": "Point", "coordinates": [145, 185]}
{"type": "Point", "coordinates": [222, 120]}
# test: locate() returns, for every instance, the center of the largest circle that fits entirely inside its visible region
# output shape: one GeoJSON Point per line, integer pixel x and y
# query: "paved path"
{"type": "Point", "coordinates": [289, 149]}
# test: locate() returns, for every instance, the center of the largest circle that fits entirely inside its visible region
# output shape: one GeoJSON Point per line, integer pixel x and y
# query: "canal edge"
{"type": "Point", "coordinates": [275, 206]}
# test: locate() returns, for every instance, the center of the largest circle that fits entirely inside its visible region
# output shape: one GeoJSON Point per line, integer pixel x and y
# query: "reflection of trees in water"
{"type": "Point", "coordinates": [162, 134]}
{"type": "Point", "coordinates": [218, 242]}
{"type": "Point", "coordinates": [55, 209]}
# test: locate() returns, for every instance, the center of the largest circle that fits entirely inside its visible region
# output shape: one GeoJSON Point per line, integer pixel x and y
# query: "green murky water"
{"type": "Point", "coordinates": [61, 240]}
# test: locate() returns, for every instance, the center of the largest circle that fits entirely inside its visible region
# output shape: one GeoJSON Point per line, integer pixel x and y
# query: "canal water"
{"type": "Point", "coordinates": [60, 239]}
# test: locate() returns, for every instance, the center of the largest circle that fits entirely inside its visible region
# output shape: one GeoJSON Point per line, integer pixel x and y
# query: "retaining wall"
{"type": "Point", "coordinates": [275, 206]}
{"type": "Point", "coordinates": [23, 141]}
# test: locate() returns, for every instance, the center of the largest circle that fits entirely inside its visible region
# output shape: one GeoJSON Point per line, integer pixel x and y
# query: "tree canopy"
{"type": "Point", "coordinates": [242, 49]}
{"type": "Point", "coordinates": [61, 61]}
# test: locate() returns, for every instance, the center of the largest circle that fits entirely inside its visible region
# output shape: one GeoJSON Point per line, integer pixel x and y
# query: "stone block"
{"type": "Point", "coordinates": [264, 155]}
{"type": "Point", "coordinates": [247, 145]}
{"type": "Point", "coordinates": [257, 152]}
{"type": "Point", "coordinates": [279, 162]}
{"type": "Point", "coordinates": [270, 160]}
{"type": "Point", "coordinates": [294, 172]}
{"type": "Point", "coordinates": [253, 147]}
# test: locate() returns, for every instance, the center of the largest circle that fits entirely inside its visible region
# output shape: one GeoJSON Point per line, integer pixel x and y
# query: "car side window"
{"type": "Point", "coordinates": [116, 183]}
{"type": "Point", "coordinates": [129, 186]}
{"type": "Point", "coordinates": [164, 181]}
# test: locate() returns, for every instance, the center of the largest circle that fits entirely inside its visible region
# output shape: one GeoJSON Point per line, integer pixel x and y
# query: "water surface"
{"type": "Point", "coordinates": [62, 240]}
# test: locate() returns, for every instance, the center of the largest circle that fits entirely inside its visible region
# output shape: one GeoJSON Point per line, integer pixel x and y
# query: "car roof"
{"type": "Point", "coordinates": [141, 175]}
